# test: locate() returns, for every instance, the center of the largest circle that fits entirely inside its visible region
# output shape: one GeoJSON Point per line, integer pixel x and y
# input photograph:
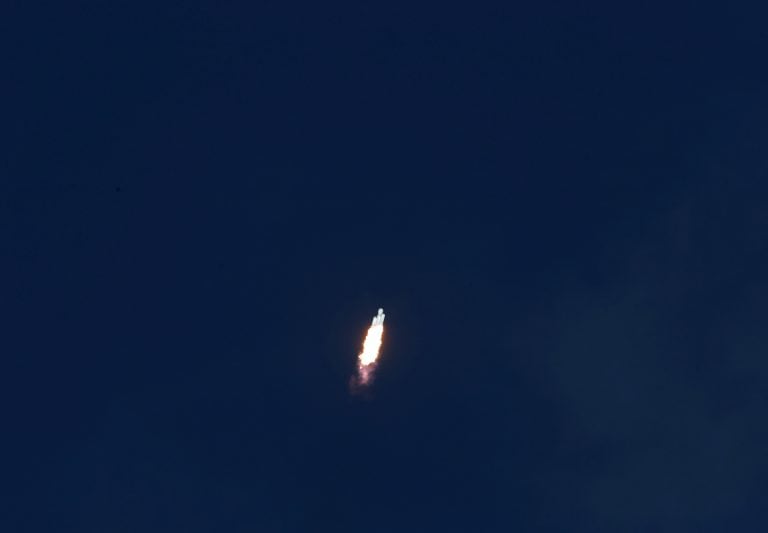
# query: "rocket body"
{"type": "Point", "coordinates": [378, 319]}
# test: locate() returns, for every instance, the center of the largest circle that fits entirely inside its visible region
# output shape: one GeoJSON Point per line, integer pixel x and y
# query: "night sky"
{"type": "Point", "coordinates": [562, 209]}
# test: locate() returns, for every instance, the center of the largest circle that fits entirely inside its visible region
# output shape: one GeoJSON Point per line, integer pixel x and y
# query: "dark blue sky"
{"type": "Point", "coordinates": [563, 210]}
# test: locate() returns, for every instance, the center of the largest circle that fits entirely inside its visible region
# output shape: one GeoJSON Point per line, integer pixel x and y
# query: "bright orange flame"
{"type": "Point", "coordinates": [370, 353]}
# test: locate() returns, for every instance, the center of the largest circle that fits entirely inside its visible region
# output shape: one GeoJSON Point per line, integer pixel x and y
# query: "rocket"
{"type": "Point", "coordinates": [366, 360]}
{"type": "Point", "coordinates": [378, 320]}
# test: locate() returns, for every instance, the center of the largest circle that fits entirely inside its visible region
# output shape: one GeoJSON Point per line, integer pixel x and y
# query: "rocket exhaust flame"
{"type": "Point", "coordinates": [366, 361]}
